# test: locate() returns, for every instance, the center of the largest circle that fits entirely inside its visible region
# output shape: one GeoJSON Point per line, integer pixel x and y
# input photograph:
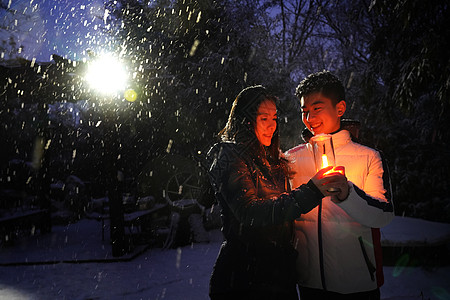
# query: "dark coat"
{"type": "Point", "coordinates": [257, 214]}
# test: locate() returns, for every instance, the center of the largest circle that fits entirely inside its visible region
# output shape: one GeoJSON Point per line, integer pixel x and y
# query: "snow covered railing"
{"type": "Point", "coordinates": [415, 242]}
{"type": "Point", "coordinates": [412, 232]}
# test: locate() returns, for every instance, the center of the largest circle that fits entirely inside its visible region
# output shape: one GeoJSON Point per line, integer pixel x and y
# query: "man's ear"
{"type": "Point", "coordinates": [340, 107]}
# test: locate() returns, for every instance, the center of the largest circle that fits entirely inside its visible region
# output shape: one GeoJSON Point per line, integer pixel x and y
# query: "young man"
{"type": "Point", "coordinates": [339, 241]}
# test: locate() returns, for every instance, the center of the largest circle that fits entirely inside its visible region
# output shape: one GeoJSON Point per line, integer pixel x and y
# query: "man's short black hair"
{"type": "Point", "coordinates": [324, 82]}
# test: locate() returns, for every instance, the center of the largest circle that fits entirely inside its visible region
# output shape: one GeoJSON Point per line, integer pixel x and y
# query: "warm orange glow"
{"type": "Point", "coordinates": [333, 171]}
{"type": "Point", "coordinates": [324, 161]}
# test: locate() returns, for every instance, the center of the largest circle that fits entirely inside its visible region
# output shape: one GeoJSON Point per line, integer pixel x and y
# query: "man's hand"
{"type": "Point", "coordinates": [333, 183]}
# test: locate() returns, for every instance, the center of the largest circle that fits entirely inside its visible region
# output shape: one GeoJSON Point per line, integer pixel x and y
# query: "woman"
{"type": "Point", "coordinates": [249, 176]}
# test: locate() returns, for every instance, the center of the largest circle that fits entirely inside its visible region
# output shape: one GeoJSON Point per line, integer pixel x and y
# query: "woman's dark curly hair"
{"type": "Point", "coordinates": [241, 124]}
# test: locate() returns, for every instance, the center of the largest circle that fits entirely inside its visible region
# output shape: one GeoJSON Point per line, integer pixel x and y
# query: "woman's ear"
{"type": "Point", "coordinates": [341, 107]}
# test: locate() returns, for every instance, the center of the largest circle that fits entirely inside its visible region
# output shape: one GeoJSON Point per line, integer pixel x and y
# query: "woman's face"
{"type": "Point", "coordinates": [266, 122]}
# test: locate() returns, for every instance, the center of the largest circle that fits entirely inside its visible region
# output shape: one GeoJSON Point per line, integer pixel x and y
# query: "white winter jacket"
{"type": "Point", "coordinates": [339, 244]}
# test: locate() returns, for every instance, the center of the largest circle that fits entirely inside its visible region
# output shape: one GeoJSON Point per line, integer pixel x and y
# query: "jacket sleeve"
{"type": "Point", "coordinates": [232, 177]}
{"type": "Point", "coordinates": [372, 207]}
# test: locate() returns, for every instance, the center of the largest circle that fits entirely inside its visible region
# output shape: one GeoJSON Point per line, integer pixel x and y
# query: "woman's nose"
{"type": "Point", "coordinates": [273, 125]}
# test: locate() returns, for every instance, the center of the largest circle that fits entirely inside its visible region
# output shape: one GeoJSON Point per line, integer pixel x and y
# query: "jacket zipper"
{"type": "Point", "coordinates": [370, 266]}
{"type": "Point", "coordinates": [319, 229]}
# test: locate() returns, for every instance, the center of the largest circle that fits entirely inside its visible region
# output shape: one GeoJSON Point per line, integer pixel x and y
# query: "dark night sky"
{"type": "Point", "coordinates": [64, 27]}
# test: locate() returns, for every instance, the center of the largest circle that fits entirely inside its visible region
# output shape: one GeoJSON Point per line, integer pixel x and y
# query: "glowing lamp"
{"type": "Point", "coordinates": [323, 151]}
{"type": "Point", "coordinates": [324, 155]}
{"type": "Point", "coordinates": [107, 75]}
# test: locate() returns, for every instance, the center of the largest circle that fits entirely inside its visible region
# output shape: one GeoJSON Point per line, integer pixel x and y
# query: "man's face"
{"type": "Point", "coordinates": [320, 115]}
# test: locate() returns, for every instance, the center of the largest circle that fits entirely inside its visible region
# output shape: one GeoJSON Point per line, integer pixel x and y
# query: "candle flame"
{"type": "Point", "coordinates": [324, 161]}
{"type": "Point", "coordinates": [326, 164]}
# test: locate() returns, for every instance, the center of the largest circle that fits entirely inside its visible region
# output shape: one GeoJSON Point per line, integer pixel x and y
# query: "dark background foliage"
{"type": "Point", "coordinates": [191, 58]}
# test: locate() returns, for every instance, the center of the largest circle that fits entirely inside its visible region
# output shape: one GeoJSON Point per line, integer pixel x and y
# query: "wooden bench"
{"type": "Point", "coordinates": [26, 222]}
{"type": "Point", "coordinates": [137, 222]}
{"type": "Point", "coordinates": [21, 214]}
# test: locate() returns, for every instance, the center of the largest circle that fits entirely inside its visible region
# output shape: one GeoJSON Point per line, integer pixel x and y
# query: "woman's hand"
{"type": "Point", "coordinates": [333, 184]}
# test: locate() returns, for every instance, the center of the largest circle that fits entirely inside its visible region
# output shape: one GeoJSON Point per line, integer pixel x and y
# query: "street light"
{"type": "Point", "coordinates": [107, 77]}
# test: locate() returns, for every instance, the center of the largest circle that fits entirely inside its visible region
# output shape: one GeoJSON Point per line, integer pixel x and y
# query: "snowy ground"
{"type": "Point", "coordinates": [181, 273]}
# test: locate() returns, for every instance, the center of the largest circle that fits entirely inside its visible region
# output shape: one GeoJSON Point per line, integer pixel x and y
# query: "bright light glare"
{"type": "Point", "coordinates": [107, 75]}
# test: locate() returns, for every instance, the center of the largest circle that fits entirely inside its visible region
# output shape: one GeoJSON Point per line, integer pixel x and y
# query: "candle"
{"type": "Point", "coordinates": [323, 151]}
{"type": "Point", "coordinates": [324, 155]}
